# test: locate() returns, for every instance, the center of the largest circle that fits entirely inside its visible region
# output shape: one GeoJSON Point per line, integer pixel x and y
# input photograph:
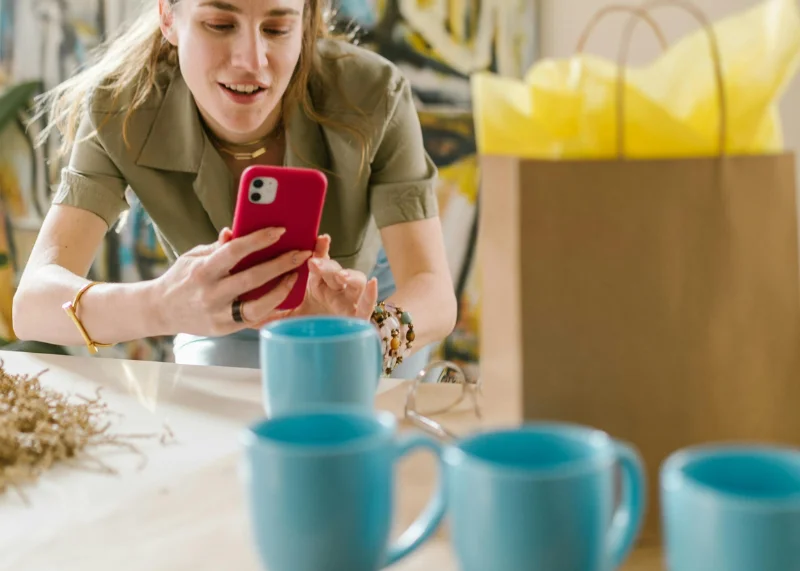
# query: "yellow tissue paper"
{"type": "Point", "coordinates": [567, 109]}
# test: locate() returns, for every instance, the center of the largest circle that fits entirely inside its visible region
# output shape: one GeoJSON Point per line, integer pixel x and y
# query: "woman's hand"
{"type": "Point", "coordinates": [333, 290]}
{"type": "Point", "coordinates": [197, 291]}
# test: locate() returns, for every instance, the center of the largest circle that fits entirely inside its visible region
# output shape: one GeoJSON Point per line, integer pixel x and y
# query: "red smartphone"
{"type": "Point", "coordinates": [280, 197]}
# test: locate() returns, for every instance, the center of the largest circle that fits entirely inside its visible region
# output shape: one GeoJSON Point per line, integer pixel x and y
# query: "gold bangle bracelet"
{"type": "Point", "coordinates": [71, 307]}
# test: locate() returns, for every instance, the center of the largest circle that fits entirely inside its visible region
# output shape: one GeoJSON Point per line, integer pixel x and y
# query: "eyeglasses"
{"type": "Point", "coordinates": [448, 372]}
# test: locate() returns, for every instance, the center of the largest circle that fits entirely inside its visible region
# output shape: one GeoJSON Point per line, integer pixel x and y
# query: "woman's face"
{"type": "Point", "coordinates": [237, 57]}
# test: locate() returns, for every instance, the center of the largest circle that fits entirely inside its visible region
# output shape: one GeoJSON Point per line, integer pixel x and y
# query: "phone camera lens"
{"type": "Point", "coordinates": [258, 183]}
{"type": "Point", "coordinates": [255, 197]}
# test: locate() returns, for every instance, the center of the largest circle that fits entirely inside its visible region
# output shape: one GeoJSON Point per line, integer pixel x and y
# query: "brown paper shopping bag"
{"type": "Point", "coordinates": [655, 299]}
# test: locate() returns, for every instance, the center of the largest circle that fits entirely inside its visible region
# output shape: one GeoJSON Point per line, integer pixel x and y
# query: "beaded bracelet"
{"type": "Point", "coordinates": [396, 329]}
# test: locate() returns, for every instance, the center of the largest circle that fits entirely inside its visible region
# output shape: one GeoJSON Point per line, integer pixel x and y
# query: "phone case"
{"type": "Point", "coordinates": [280, 197]}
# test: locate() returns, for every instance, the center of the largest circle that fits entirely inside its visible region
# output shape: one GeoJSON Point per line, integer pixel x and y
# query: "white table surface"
{"type": "Point", "coordinates": [186, 510]}
{"type": "Point", "coordinates": [204, 407]}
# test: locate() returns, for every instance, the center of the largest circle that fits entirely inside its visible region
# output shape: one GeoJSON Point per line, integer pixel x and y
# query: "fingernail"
{"type": "Point", "coordinates": [275, 233]}
{"type": "Point", "coordinates": [298, 257]}
{"type": "Point", "coordinates": [290, 280]}
{"type": "Point", "coordinates": [344, 274]}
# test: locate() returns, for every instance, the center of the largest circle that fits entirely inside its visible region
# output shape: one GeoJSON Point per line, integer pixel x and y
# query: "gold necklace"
{"type": "Point", "coordinates": [244, 156]}
{"type": "Point", "coordinates": [250, 155]}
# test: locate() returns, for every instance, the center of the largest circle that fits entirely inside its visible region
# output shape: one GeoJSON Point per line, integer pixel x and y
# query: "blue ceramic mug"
{"type": "Point", "coordinates": [542, 497]}
{"type": "Point", "coordinates": [319, 485]}
{"type": "Point", "coordinates": [732, 508]}
{"type": "Point", "coordinates": [312, 361]}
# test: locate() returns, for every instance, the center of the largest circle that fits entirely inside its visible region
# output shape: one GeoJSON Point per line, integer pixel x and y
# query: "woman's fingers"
{"type": "Point", "coordinates": [322, 249]}
{"type": "Point", "coordinates": [236, 284]}
{"type": "Point", "coordinates": [336, 302]}
{"type": "Point", "coordinates": [320, 252]}
{"type": "Point", "coordinates": [225, 235]}
{"type": "Point", "coordinates": [340, 289]}
{"type": "Point", "coordinates": [226, 256]}
{"type": "Point", "coordinates": [330, 272]}
{"type": "Point", "coordinates": [366, 304]}
{"type": "Point", "coordinates": [355, 282]}
{"type": "Point", "coordinates": [358, 299]}
{"type": "Point", "coordinates": [261, 309]}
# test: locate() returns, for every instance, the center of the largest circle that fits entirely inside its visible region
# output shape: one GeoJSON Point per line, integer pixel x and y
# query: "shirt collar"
{"type": "Point", "coordinates": [178, 142]}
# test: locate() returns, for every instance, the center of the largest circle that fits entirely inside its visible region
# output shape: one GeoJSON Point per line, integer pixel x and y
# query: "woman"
{"type": "Point", "coordinates": [175, 109]}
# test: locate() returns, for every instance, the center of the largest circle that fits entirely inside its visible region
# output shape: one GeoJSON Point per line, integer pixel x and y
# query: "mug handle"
{"type": "Point", "coordinates": [428, 521]}
{"type": "Point", "coordinates": [627, 521]}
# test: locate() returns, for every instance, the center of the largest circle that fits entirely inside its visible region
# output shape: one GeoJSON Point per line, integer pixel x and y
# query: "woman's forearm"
{"type": "Point", "coordinates": [111, 313]}
{"type": "Point", "coordinates": [431, 301]}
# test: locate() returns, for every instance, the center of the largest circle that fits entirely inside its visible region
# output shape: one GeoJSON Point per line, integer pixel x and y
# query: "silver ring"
{"type": "Point", "coordinates": [236, 311]}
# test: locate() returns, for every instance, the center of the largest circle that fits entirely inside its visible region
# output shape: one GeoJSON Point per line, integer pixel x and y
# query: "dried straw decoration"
{"type": "Point", "coordinates": [40, 427]}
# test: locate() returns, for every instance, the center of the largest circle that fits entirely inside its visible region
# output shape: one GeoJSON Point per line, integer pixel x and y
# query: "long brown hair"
{"type": "Point", "coordinates": [134, 57]}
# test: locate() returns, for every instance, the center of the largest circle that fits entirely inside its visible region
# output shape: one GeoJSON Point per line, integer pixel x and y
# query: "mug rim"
{"type": "Point", "coordinates": [674, 476]}
{"type": "Point", "coordinates": [268, 331]}
{"type": "Point", "coordinates": [385, 422]}
{"type": "Point", "coordinates": [455, 455]}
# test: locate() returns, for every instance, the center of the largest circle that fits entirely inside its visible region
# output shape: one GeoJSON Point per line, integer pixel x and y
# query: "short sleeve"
{"type": "Point", "coordinates": [403, 177]}
{"type": "Point", "coordinates": [92, 181]}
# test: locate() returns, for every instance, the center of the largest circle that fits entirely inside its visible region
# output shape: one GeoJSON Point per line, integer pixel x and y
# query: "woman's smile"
{"type": "Point", "coordinates": [244, 93]}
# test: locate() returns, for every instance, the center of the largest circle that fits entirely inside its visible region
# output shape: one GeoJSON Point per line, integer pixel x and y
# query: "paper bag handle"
{"type": "Point", "coordinates": [634, 10]}
{"type": "Point", "coordinates": [715, 57]}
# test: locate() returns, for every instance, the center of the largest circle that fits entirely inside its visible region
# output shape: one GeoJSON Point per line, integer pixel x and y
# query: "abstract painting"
{"type": "Point", "coordinates": [48, 40]}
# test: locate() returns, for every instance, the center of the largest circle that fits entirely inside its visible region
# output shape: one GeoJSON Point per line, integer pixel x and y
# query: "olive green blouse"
{"type": "Point", "coordinates": [190, 194]}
